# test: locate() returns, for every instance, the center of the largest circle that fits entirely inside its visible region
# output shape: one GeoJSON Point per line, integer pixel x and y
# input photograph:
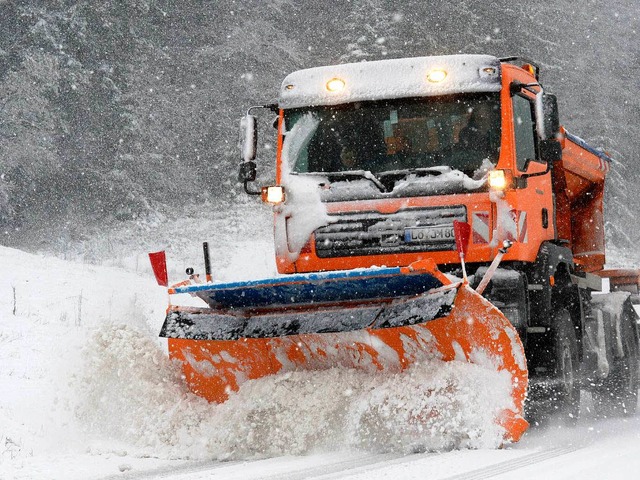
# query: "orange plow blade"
{"type": "Point", "coordinates": [450, 323]}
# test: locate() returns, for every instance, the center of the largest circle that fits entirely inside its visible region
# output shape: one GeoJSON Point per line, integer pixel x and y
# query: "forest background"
{"type": "Point", "coordinates": [113, 112]}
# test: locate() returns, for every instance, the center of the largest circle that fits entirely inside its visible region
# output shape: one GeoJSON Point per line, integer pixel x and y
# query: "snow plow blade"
{"type": "Point", "coordinates": [382, 319]}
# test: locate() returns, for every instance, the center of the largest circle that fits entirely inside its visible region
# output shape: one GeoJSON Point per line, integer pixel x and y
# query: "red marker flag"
{"type": "Point", "coordinates": [159, 265]}
{"type": "Point", "coordinates": [462, 232]}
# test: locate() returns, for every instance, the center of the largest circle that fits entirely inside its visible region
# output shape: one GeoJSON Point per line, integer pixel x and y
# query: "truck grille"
{"type": "Point", "coordinates": [375, 233]}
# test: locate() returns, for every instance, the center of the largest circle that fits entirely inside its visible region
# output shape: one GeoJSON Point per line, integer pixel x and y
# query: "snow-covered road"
{"type": "Point", "coordinates": [596, 449]}
{"type": "Point", "coordinates": [593, 450]}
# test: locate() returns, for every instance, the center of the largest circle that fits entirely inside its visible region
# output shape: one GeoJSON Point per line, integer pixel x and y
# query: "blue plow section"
{"type": "Point", "coordinates": [314, 288]}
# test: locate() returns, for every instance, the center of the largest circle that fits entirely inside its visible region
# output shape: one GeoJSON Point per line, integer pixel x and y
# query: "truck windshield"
{"type": "Point", "coordinates": [461, 132]}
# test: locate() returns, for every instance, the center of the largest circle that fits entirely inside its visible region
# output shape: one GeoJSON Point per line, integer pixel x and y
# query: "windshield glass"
{"type": "Point", "coordinates": [457, 131]}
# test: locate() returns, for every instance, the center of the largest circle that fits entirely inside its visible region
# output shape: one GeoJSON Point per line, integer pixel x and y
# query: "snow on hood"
{"type": "Point", "coordinates": [445, 181]}
{"type": "Point", "coordinates": [387, 79]}
{"type": "Point", "coordinates": [448, 181]}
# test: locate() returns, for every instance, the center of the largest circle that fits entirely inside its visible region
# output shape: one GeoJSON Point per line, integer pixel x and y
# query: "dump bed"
{"type": "Point", "coordinates": [579, 188]}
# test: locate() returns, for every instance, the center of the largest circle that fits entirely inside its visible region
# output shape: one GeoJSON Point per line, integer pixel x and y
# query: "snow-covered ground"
{"type": "Point", "coordinates": [87, 391]}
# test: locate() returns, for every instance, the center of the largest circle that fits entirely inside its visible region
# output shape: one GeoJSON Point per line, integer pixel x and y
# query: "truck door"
{"type": "Point", "coordinates": [532, 203]}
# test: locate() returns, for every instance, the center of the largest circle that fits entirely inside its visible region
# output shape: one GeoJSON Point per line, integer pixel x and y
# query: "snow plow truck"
{"type": "Point", "coordinates": [428, 207]}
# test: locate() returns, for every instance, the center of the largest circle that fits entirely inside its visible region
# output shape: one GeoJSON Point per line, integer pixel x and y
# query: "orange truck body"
{"type": "Point", "coordinates": [572, 198]}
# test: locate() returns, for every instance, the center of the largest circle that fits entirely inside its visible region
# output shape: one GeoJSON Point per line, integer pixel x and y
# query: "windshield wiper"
{"type": "Point", "coordinates": [350, 174]}
{"type": "Point", "coordinates": [422, 171]}
{"type": "Point", "coordinates": [376, 179]}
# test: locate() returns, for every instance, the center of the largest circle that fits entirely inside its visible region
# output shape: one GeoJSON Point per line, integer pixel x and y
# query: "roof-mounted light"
{"type": "Point", "coordinates": [335, 85]}
{"type": "Point", "coordinates": [437, 75]}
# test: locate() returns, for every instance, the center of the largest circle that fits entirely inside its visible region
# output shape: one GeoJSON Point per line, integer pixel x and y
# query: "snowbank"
{"type": "Point", "coordinates": [47, 306]}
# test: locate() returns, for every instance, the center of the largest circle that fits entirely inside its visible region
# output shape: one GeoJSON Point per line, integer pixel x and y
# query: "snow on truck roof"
{"type": "Point", "coordinates": [388, 79]}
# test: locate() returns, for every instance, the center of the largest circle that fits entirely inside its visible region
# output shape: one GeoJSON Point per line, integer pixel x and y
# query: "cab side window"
{"type": "Point", "coordinates": [524, 126]}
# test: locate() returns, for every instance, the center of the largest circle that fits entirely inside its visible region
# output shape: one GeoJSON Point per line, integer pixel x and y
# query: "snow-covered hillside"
{"type": "Point", "coordinates": [48, 311]}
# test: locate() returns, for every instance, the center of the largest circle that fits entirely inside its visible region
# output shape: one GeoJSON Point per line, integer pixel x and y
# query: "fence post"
{"type": "Point", "coordinates": [79, 321]}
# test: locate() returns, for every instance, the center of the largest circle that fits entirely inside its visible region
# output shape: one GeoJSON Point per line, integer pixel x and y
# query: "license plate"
{"type": "Point", "coordinates": [429, 234]}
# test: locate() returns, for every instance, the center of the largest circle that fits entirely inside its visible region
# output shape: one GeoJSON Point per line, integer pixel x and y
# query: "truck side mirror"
{"type": "Point", "coordinates": [248, 137]}
{"type": "Point", "coordinates": [248, 144]}
{"type": "Point", "coordinates": [550, 115]}
{"type": "Point", "coordinates": [546, 107]}
{"type": "Point", "coordinates": [247, 172]}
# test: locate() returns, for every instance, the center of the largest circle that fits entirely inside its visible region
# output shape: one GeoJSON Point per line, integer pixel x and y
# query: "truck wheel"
{"type": "Point", "coordinates": [557, 394]}
{"type": "Point", "coordinates": [618, 394]}
{"type": "Point", "coordinates": [566, 391]}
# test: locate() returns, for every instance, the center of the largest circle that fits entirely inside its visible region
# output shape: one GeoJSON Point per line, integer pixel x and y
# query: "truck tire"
{"type": "Point", "coordinates": [566, 392]}
{"type": "Point", "coordinates": [618, 394]}
{"type": "Point", "coordinates": [557, 393]}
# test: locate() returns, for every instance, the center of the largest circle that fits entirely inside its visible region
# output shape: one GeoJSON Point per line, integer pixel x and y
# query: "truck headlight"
{"type": "Point", "coordinates": [497, 180]}
{"type": "Point", "coordinates": [273, 195]}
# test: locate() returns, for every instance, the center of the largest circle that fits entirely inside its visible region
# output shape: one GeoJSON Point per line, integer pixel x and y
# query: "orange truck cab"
{"type": "Point", "coordinates": [376, 160]}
